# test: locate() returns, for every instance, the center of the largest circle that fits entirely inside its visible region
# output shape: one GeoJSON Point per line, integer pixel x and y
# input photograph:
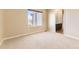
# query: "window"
{"type": "Point", "coordinates": [35, 17]}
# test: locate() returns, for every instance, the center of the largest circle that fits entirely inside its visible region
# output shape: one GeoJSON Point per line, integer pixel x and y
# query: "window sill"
{"type": "Point", "coordinates": [34, 26]}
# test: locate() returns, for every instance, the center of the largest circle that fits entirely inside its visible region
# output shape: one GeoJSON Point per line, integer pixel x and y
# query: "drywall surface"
{"type": "Point", "coordinates": [52, 20]}
{"type": "Point", "coordinates": [1, 23]}
{"type": "Point", "coordinates": [71, 22]}
{"type": "Point", "coordinates": [15, 23]}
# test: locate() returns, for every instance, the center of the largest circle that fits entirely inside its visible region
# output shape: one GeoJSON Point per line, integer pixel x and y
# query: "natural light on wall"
{"type": "Point", "coordinates": [35, 17]}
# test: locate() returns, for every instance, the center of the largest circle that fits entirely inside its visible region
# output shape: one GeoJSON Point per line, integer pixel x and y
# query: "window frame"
{"type": "Point", "coordinates": [35, 20]}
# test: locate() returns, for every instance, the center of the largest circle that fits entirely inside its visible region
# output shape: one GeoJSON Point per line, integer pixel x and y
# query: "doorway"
{"type": "Point", "coordinates": [59, 21]}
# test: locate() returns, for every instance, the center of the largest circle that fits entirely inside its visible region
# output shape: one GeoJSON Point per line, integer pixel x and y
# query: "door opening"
{"type": "Point", "coordinates": [59, 21]}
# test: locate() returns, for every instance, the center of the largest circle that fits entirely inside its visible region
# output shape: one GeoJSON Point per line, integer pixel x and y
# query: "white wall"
{"type": "Point", "coordinates": [55, 17]}
{"type": "Point", "coordinates": [71, 22]}
{"type": "Point", "coordinates": [52, 20]}
{"type": "Point", "coordinates": [1, 23]}
{"type": "Point", "coordinates": [15, 23]}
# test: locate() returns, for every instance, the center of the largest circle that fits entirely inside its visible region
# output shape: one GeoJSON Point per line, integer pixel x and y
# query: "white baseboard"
{"type": "Point", "coordinates": [13, 36]}
{"type": "Point", "coordinates": [19, 35]}
{"type": "Point", "coordinates": [71, 36]}
{"type": "Point", "coordinates": [6, 38]}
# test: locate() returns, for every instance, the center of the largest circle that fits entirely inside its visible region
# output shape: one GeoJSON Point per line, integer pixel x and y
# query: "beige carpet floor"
{"type": "Point", "coordinates": [45, 40]}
